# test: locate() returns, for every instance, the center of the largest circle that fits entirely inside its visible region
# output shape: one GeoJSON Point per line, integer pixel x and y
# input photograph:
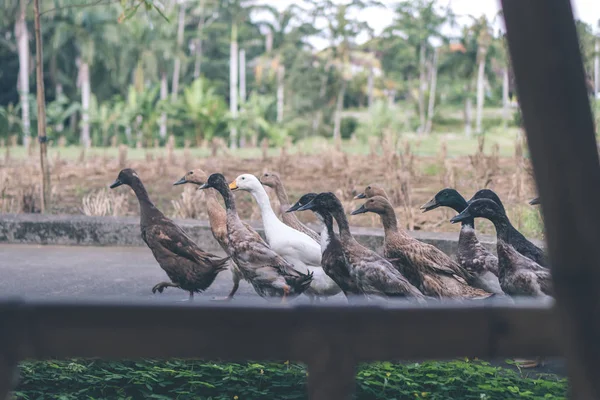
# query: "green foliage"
{"type": "Point", "coordinates": [178, 379]}
{"type": "Point", "coordinates": [382, 119]}
{"type": "Point", "coordinates": [348, 126]}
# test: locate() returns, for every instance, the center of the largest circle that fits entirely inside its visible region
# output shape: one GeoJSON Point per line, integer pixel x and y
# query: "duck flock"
{"type": "Point", "coordinates": [295, 260]}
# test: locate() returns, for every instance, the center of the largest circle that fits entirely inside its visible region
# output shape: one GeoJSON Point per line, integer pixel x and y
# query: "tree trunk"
{"type": "Point", "coordinates": [505, 100]}
{"type": "Point", "coordinates": [269, 41]}
{"type": "Point", "coordinates": [84, 75]}
{"type": "Point", "coordinates": [432, 89]}
{"type": "Point", "coordinates": [597, 67]}
{"type": "Point", "coordinates": [164, 93]}
{"type": "Point", "coordinates": [468, 116]}
{"type": "Point", "coordinates": [242, 56]}
{"type": "Point", "coordinates": [322, 92]}
{"type": "Point", "coordinates": [177, 65]}
{"type": "Point", "coordinates": [337, 123]}
{"type": "Point", "coordinates": [60, 126]}
{"type": "Point", "coordinates": [280, 92]}
{"type": "Point", "coordinates": [370, 84]}
{"type": "Point", "coordinates": [23, 84]}
{"type": "Point", "coordinates": [198, 49]}
{"type": "Point", "coordinates": [480, 94]}
{"type": "Point", "coordinates": [422, 88]}
{"type": "Point", "coordinates": [41, 102]}
{"type": "Point", "coordinates": [233, 74]}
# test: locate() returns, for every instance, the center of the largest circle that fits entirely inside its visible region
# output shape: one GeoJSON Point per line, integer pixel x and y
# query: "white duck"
{"type": "Point", "coordinates": [295, 247]}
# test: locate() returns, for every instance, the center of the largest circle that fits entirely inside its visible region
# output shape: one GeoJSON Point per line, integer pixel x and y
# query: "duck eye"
{"type": "Point", "coordinates": [243, 178]}
{"type": "Point", "coordinates": [191, 172]}
{"type": "Point", "coordinates": [368, 187]}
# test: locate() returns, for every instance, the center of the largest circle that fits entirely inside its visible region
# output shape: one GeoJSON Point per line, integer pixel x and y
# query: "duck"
{"type": "Point", "coordinates": [375, 276]}
{"type": "Point", "coordinates": [273, 181]}
{"type": "Point", "coordinates": [424, 265]}
{"type": "Point", "coordinates": [295, 247]}
{"type": "Point", "coordinates": [471, 254]}
{"type": "Point", "coordinates": [507, 231]}
{"type": "Point", "coordinates": [518, 274]}
{"type": "Point", "coordinates": [372, 191]}
{"type": "Point", "coordinates": [270, 275]}
{"type": "Point", "coordinates": [333, 260]}
{"type": "Point", "coordinates": [188, 266]}
{"type": "Point", "coordinates": [218, 223]}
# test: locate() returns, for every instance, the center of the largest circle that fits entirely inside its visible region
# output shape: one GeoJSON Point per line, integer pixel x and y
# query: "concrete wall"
{"type": "Point", "coordinates": [125, 231]}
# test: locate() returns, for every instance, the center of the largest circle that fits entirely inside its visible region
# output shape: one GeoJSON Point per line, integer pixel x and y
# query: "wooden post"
{"type": "Point", "coordinates": [41, 103]}
{"type": "Point", "coordinates": [551, 84]}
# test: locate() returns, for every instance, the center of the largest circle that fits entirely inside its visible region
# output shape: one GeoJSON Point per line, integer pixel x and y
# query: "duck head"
{"type": "Point", "coordinates": [444, 198]}
{"type": "Point", "coordinates": [534, 201]}
{"type": "Point", "coordinates": [481, 208]}
{"type": "Point", "coordinates": [127, 177]}
{"type": "Point", "coordinates": [487, 194]}
{"type": "Point", "coordinates": [304, 200]}
{"type": "Point", "coordinates": [215, 181]}
{"type": "Point", "coordinates": [270, 179]}
{"type": "Point", "coordinates": [372, 191]}
{"type": "Point", "coordinates": [195, 176]}
{"type": "Point", "coordinates": [326, 201]}
{"type": "Point", "coordinates": [377, 205]}
{"type": "Point", "coordinates": [247, 182]}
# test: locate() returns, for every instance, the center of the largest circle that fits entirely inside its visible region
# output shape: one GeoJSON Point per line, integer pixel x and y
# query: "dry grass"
{"type": "Point", "coordinates": [409, 179]}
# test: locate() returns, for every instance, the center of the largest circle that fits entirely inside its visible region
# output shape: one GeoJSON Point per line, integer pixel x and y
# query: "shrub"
{"type": "Point", "coordinates": [178, 379]}
{"type": "Point", "coordinates": [348, 126]}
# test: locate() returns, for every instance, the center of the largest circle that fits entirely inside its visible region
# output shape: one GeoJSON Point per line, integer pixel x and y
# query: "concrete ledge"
{"type": "Point", "coordinates": [125, 231]}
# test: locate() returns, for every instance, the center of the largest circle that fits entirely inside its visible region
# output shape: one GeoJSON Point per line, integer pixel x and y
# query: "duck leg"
{"type": "Point", "coordinates": [236, 285]}
{"type": "Point", "coordinates": [159, 287]}
{"type": "Point", "coordinates": [191, 296]}
{"type": "Point", "coordinates": [286, 291]}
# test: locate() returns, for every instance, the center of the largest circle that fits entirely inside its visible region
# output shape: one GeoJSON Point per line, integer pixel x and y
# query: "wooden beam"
{"type": "Point", "coordinates": [233, 332]}
{"type": "Point", "coordinates": [550, 82]}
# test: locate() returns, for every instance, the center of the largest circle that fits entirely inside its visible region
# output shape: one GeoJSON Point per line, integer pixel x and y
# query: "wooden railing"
{"type": "Point", "coordinates": [332, 340]}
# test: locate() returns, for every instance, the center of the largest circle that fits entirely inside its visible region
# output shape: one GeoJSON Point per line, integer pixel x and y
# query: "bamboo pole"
{"type": "Point", "coordinates": [41, 103]}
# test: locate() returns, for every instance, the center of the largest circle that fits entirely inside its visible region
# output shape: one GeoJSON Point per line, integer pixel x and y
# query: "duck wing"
{"type": "Point", "coordinates": [173, 239]}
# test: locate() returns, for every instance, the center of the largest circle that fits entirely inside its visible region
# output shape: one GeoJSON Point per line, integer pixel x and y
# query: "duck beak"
{"type": "Point", "coordinates": [359, 210]}
{"type": "Point", "coordinates": [430, 205]}
{"type": "Point", "coordinates": [204, 186]}
{"type": "Point", "coordinates": [535, 201]}
{"type": "Point", "coordinates": [360, 196]}
{"type": "Point", "coordinates": [461, 217]}
{"type": "Point", "coordinates": [293, 208]}
{"type": "Point", "coordinates": [307, 206]}
{"type": "Point", "coordinates": [116, 183]}
{"type": "Point", "coordinates": [180, 182]}
{"type": "Point", "coordinates": [233, 185]}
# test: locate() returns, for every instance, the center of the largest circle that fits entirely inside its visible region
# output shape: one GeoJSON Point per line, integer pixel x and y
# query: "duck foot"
{"type": "Point", "coordinates": [160, 287]}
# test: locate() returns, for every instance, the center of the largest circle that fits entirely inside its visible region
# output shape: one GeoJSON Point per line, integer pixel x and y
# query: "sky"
{"type": "Point", "coordinates": [379, 18]}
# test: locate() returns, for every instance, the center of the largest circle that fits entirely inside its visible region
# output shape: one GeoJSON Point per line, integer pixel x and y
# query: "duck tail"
{"type": "Point", "coordinates": [301, 283]}
{"type": "Point", "coordinates": [220, 264]}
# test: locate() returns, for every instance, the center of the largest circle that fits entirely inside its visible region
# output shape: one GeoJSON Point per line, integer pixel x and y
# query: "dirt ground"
{"type": "Point", "coordinates": [80, 186]}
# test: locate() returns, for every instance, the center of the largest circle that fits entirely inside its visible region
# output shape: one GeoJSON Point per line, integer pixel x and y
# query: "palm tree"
{"type": "Point", "coordinates": [417, 23]}
{"type": "Point", "coordinates": [340, 31]}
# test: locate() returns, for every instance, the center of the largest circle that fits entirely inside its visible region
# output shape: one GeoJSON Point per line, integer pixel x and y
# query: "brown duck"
{"type": "Point", "coordinates": [424, 265]}
{"type": "Point", "coordinates": [187, 265]}
{"type": "Point", "coordinates": [273, 181]}
{"type": "Point", "coordinates": [218, 222]}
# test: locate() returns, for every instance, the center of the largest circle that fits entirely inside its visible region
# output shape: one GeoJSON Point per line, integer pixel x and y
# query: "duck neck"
{"type": "Point", "coordinates": [389, 221]}
{"type": "Point", "coordinates": [268, 215]}
{"type": "Point", "coordinates": [327, 232]}
{"type": "Point", "coordinates": [282, 195]}
{"type": "Point", "coordinates": [213, 207]}
{"type": "Point", "coordinates": [147, 208]}
{"type": "Point", "coordinates": [342, 222]}
{"type": "Point", "coordinates": [503, 227]}
{"type": "Point", "coordinates": [228, 199]}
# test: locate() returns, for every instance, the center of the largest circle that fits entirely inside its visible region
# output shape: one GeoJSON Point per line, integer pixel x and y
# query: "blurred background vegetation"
{"type": "Point", "coordinates": [137, 72]}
